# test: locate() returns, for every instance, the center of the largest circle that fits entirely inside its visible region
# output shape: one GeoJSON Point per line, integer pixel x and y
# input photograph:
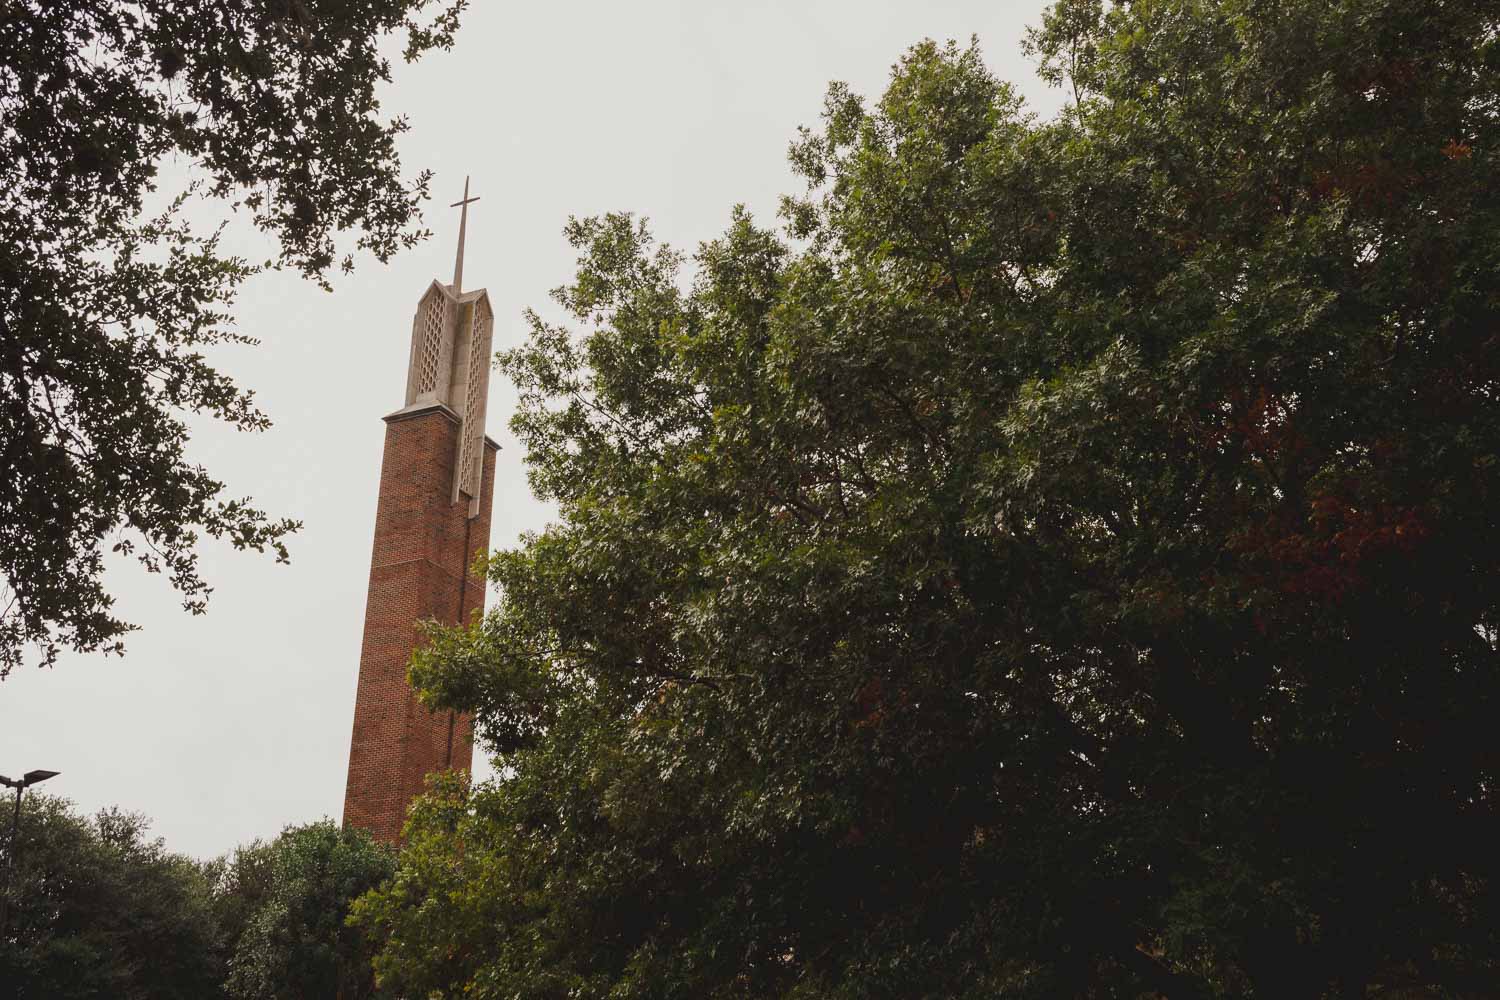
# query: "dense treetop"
{"type": "Point", "coordinates": [283, 906]}
{"type": "Point", "coordinates": [99, 910]}
{"type": "Point", "coordinates": [105, 311]}
{"type": "Point", "coordinates": [1060, 561]}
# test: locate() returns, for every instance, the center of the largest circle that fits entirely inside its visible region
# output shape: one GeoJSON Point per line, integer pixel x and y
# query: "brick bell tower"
{"type": "Point", "coordinates": [432, 518]}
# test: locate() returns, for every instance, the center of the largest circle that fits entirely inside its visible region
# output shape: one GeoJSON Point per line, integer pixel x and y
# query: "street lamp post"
{"type": "Point", "coordinates": [20, 785]}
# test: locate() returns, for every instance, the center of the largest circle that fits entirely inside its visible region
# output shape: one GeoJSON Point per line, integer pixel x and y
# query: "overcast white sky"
{"type": "Point", "coordinates": [228, 726]}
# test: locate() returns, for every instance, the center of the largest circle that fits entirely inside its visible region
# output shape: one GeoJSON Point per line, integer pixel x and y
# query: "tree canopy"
{"type": "Point", "coordinates": [105, 309]}
{"type": "Point", "coordinates": [284, 909]}
{"type": "Point", "coordinates": [1060, 561]}
{"type": "Point", "coordinates": [99, 910]}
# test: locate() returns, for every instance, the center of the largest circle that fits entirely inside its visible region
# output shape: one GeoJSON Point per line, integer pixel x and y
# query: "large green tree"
{"type": "Point", "coordinates": [1062, 563]}
{"type": "Point", "coordinates": [282, 910]}
{"type": "Point", "coordinates": [98, 910]}
{"type": "Point", "coordinates": [105, 310]}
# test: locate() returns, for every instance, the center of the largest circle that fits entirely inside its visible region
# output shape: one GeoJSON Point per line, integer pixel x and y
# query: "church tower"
{"type": "Point", "coordinates": [432, 518]}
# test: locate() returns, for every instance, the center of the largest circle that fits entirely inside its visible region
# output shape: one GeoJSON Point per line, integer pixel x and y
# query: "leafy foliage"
{"type": "Point", "coordinates": [104, 314]}
{"type": "Point", "coordinates": [98, 909]}
{"type": "Point", "coordinates": [1063, 563]}
{"type": "Point", "coordinates": [285, 906]}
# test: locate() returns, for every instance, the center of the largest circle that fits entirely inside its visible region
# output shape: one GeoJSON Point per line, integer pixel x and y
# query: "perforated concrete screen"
{"type": "Point", "coordinates": [451, 342]}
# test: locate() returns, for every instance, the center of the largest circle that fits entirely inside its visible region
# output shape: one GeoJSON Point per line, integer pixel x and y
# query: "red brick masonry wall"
{"type": "Point", "coordinates": [424, 546]}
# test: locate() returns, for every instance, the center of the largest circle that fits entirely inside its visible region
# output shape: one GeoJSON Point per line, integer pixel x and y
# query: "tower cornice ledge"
{"type": "Point", "coordinates": [418, 409]}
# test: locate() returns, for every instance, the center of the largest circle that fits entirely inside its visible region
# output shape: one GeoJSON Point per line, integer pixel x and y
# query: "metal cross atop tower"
{"type": "Point", "coordinates": [463, 222]}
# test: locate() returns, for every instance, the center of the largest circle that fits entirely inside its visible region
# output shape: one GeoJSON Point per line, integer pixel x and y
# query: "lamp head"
{"type": "Point", "coordinates": [32, 777]}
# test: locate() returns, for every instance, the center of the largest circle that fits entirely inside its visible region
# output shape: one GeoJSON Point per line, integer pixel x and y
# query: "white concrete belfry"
{"type": "Point", "coordinates": [451, 343]}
